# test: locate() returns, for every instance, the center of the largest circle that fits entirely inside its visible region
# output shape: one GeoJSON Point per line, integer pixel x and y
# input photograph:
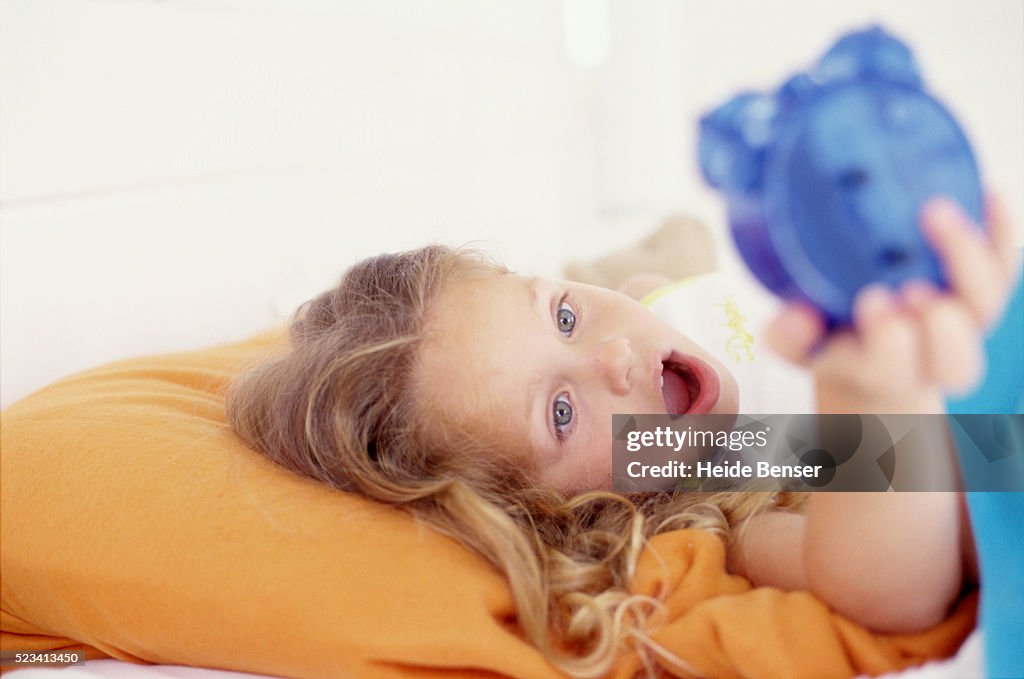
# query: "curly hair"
{"type": "Point", "coordinates": [339, 408]}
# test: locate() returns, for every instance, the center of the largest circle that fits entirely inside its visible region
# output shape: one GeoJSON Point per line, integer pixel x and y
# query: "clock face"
{"type": "Point", "coordinates": [845, 181]}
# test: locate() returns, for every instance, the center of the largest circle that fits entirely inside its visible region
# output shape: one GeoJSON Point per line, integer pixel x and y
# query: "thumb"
{"type": "Point", "coordinates": [795, 331]}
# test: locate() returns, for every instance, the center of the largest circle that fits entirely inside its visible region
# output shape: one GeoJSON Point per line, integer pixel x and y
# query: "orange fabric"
{"type": "Point", "coordinates": [135, 525]}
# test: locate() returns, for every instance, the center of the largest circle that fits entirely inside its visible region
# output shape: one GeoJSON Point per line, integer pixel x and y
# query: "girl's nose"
{"type": "Point", "coordinates": [612, 363]}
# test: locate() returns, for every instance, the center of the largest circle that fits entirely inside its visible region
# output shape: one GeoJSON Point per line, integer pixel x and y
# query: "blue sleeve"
{"type": "Point", "coordinates": [1002, 391]}
{"type": "Point", "coordinates": [997, 518]}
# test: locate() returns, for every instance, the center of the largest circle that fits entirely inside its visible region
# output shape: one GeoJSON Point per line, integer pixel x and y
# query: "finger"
{"type": "Point", "coordinates": [953, 357]}
{"type": "Point", "coordinates": [1000, 232]}
{"type": "Point", "coordinates": [845, 357]}
{"type": "Point", "coordinates": [916, 294]}
{"type": "Point", "coordinates": [842, 359]}
{"type": "Point", "coordinates": [889, 338]}
{"type": "Point", "coordinates": [795, 332]}
{"type": "Point", "coordinates": [974, 272]}
{"type": "Point", "coordinates": [872, 307]}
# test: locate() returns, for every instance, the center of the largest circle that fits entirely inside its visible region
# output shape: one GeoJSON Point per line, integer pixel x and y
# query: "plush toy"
{"type": "Point", "coordinates": [680, 247]}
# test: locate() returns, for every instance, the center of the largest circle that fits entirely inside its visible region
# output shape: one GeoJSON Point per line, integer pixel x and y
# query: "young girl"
{"type": "Point", "coordinates": [481, 401]}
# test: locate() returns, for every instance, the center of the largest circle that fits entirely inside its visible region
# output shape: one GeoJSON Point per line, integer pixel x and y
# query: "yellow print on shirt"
{"type": "Point", "coordinates": [740, 344]}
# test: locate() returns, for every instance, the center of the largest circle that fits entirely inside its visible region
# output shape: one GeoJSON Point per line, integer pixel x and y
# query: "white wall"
{"type": "Point", "coordinates": [673, 61]}
{"type": "Point", "coordinates": [178, 173]}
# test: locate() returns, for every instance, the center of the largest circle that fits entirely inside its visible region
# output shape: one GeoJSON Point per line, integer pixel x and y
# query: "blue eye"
{"type": "Point", "coordinates": [561, 414]}
{"type": "Point", "coordinates": [566, 319]}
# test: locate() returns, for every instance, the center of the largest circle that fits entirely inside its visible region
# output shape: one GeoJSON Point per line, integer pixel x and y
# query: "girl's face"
{"type": "Point", "coordinates": [541, 365]}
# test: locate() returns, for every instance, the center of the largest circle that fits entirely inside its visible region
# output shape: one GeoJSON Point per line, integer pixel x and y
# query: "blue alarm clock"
{"type": "Point", "coordinates": [825, 177]}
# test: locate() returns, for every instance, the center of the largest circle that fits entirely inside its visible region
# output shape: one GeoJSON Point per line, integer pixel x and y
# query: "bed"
{"type": "Point", "coordinates": [136, 524]}
{"type": "Point", "coordinates": [966, 664]}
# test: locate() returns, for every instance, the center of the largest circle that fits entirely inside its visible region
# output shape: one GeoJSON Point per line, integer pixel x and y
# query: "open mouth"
{"type": "Point", "coordinates": [688, 385]}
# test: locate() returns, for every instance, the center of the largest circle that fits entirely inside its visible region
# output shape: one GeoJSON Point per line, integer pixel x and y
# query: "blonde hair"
{"type": "Point", "coordinates": [339, 408]}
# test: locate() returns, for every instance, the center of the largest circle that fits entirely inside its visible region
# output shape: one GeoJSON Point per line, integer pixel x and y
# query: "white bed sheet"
{"type": "Point", "coordinates": [968, 663]}
{"type": "Point", "coordinates": [118, 669]}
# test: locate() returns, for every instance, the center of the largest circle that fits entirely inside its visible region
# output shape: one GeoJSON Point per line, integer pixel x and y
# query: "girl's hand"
{"type": "Point", "coordinates": [908, 347]}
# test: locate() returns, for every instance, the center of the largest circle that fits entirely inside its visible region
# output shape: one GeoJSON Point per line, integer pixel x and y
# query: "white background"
{"type": "Point", "coordinates": [177, 173]}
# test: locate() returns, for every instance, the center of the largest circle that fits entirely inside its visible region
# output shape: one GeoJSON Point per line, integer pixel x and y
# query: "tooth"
{"type": "Point", "coordinates": [663, 380]}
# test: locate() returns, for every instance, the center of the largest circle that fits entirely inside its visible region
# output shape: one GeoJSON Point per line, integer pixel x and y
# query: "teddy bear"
{"type": "Point", "coordinates": [681, 246]}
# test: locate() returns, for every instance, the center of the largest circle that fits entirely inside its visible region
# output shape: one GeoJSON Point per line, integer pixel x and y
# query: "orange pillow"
{"type": "Point", "coordinates": [136, 523]}
{"type": "Point", "coordinates": [137, 526]}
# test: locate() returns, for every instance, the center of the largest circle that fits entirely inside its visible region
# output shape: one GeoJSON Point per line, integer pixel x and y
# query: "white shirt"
{"type": "Point", "coordinates": [725, 314]}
